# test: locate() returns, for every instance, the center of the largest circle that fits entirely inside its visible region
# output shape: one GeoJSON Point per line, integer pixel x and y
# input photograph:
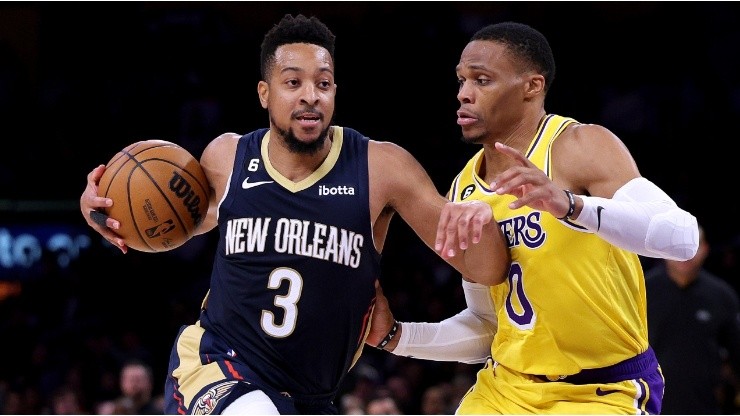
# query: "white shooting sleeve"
{"type": "Point", "coordinates": [643, 219]}
{"type": "Point", "coordinates": [465, 337]}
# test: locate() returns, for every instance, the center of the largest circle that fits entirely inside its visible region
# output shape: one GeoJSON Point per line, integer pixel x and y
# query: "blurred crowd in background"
{"type": "Point", "coordinates": [80, 81]}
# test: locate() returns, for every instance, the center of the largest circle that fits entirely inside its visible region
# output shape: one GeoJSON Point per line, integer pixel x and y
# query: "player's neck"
{"type": "Point", "coordinates": [293, 165]}
{"type": "Point", "coordinates": [519, 136]}
{"type": "Point", "coordinates": [520, 133]}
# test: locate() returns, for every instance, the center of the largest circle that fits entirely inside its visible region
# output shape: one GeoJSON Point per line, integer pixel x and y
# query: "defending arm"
{"type": "Point", "coordinates": [643, 219]}
{"type": "Point", "coordinates": [465, 337]}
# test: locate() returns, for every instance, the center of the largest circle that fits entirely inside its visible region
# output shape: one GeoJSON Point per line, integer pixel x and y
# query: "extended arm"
{"type": "Point", "coordinates": [466, 235]}
{"type": "Point", "coordinates": [643, 219]}
{"type": "Point", "coordinates": [465, 337]}
{"type": "Point", "coordinates": [613, 199]}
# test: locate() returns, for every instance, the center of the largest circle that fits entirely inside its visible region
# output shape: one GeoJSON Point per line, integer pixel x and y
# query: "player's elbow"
{"type": "Point", "coordinates": [673, 235]}
{"type": "Point", "coordinates": [489, 263]}
{"type": "Point", "coordinates": [500, 275]}
{"type": "Point", "coordinates": [490, 275]}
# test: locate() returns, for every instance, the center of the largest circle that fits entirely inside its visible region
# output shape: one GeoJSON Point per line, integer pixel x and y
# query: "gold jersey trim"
{"type": "Point", "coordinates": [337, 138]}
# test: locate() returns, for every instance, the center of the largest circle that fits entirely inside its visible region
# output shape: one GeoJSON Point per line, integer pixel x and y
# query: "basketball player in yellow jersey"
{"type": "Point", "coordinates": [570, 320]}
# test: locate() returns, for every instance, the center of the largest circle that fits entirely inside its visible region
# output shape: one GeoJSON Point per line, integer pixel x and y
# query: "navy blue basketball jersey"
{"type": "Point", "coordinates": [292, 286]}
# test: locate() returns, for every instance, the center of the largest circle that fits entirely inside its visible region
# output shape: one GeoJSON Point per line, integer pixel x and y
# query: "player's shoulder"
{"type": "Point", "coordinates": [585, 131]}
{"type": "Point", "coordinates": [585, 137]}
{"type": "Point", "coordinates": [381, 152]}
{"type": "Point", "coordinates": [220, 149]}
{"type": "Point", "coordinates": [392, 163]}
{"type": "Point", "coordinates": [388, 154]}
{"type": "Point", "coordinates": [384, 146]}
{"type": "Point", "coordinates": [223, 142]}
{"type": "Point", "coordinates": [226, 139]}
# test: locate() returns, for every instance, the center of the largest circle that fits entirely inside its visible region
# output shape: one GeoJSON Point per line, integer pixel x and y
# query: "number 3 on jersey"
{"type": "Point", "coordinates": [287, 302]}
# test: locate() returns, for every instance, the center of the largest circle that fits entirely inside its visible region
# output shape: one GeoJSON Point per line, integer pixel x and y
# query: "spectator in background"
{"type": "Point", "coordinates": [137, 388]}
{"type": "Point", "coordinates": [693, 325]}
{"type": "Point", "coordinates": [460, 385]}
{"type": "Point", "coordinates": [383, 405]}
{"type": "Point", "coordinates": [67, 401]}
{"type": "Point", "coordinates": [436, 400]}
{"type": "Point", "coordinates": [352, 405]}
{"type": "Point", "coordinates": [401, 390]}
{"type": "Point", "coordinates": [113, 407]}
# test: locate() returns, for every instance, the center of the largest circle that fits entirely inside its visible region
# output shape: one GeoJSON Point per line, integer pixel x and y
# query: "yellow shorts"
{"type": "Point", "coordinates": [499, 390]}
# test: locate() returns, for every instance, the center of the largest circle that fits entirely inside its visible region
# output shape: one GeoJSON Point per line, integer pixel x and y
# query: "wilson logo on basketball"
{"type": "Point", "coordinates": [184, 191]}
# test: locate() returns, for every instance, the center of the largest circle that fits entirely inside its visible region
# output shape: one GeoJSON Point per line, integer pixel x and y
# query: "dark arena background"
{"type": "Point", "coordinates": [80, 81]}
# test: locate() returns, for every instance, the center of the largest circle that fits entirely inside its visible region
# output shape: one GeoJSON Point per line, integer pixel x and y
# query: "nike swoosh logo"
{"type": "Point", "coordinates": [246, 184]}
{"type": "Point", "coordinates": [600, 392]}
{"type": "Point", "coordinates": [598, 217]}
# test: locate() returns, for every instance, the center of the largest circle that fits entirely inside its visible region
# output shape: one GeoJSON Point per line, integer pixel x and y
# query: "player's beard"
{"type": "Point", "coordinates": [301, 147]}
{"type": "Point", "coordinates": [477, 139]}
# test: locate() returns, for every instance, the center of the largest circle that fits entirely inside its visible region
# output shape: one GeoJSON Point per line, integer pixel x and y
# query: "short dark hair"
{"type": "Point", "coordinates": [298, 29]}
{"type": "Point", "coordinates": [135, 362]}
{"type": "Point", "coordinates": [525, 43]}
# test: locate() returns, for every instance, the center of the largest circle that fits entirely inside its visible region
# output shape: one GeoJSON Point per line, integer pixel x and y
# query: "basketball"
{"type": "Point", "coordinates": [159, 192]}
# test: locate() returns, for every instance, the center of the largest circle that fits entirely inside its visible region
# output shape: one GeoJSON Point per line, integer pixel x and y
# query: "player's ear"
{"type": "Point", "coordinates": [263, 91]}
{"type": "Point", "coordinates": [535, 85]}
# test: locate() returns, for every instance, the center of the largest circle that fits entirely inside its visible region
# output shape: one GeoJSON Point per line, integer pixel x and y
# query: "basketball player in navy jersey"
{"type": "Point", "coordinates": [302, 209]}
{"type": "Point", "coordinates": [567, 329]}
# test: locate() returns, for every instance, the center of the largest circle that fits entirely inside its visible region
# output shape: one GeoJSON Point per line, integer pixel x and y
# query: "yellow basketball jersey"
{"type": "Point", "coordinates": [572, 300]}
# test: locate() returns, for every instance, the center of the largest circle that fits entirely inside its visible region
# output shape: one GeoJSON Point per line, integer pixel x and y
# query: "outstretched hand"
{"type": "Point", "coordinates": [90, 203]}
{"type": "Point", "coordinates": [529, 185]}
{"type": "Point", "coordinates": [461, 224]}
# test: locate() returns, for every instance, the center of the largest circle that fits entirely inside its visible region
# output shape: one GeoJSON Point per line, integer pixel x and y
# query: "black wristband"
{"type": "Point", "coordinates": [571, 205]}
{"type": "Point", "coordinates": [389, 337]}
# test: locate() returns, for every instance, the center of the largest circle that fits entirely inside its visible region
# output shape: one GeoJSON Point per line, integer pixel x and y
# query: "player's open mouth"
{"type": "Point", "coordinates": [309, 117]}
{"type": "Point", "coordinates": [309, 120]}
{"type": "Point", "coordinates": [465, 118]}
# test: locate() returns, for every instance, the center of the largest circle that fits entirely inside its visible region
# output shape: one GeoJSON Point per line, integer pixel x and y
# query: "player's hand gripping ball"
{"type": "Point", "coordinates": [160, 194]}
